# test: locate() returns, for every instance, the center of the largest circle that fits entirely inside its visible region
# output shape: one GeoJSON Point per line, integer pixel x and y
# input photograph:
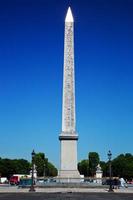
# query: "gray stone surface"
{"type": "Point", "coordinates": [14, 189]}
{"type": "Point", "coordinates": [68, 137]}
{"type": "Point", "coordinates": [68, 114]}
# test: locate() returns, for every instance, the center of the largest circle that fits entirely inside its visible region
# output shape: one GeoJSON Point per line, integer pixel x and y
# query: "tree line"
{"type": "Point", "coordinates": [122, 165]}
{"type": "Point", "coordinates": [8, 167]}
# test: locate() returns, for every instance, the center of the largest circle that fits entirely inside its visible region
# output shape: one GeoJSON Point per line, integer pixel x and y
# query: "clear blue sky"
{"type": "Point", "coordinates": [31, 72]}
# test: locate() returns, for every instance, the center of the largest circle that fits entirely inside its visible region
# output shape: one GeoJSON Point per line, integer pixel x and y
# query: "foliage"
{"type": "Point", "coordinates": [83, 167]}
{"type": "Point", "coordinates": [44, 168]}
{"type": "Point", "coordinates": [52, 171]}
{"type": "Point", "coordinates": [9, 167]}
{"type": "Point", "coordinates": [40, 162]}
{"type": "Point", "coordinates": [104, 167]}
{"type": "Point", "coordinates": [122, 166]}
{"type": "Point", "coordinates": [93, 162]}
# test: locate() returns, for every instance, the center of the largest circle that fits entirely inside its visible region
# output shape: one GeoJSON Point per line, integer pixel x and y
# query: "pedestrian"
{"type": "Point", "coordinates": [122, 182]}
{"type": "Point", "coordinates": [116, 182]}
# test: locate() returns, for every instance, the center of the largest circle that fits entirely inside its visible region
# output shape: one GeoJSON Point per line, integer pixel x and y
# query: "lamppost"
{"type": "Point", "coordinates": [110, 172]}
{"type": "Point", "coordinates": [32, 189]}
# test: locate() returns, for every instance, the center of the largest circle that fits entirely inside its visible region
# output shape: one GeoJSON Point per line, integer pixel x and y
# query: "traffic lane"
{"type": "Point", "coordinates": [66, 196]}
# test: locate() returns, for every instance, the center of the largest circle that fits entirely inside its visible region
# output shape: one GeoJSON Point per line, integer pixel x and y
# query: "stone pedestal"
{"type": "Point", "coordinates": [99, 174]}
{"type": "Point", "coordinates": [68, 169]}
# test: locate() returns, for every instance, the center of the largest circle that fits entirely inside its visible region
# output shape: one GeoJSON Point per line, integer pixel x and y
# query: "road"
{"type": "Point", "coordinates": [66, 196]}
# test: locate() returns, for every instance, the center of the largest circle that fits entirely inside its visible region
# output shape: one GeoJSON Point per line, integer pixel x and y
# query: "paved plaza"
{"type": "Point", "coordinates": [13, 193]}
{"type": "Point", "coordinates": [15, 189]}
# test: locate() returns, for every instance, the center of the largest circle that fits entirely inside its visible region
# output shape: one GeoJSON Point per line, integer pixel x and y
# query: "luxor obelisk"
{"type": "Point", "coordinates": [68, 137]}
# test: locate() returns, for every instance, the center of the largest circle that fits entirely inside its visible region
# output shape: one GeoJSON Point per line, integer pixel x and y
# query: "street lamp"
{"type": "Point", "coordinates": [110, 172]}
{"type": "Point", "coordinates": [32, 189]}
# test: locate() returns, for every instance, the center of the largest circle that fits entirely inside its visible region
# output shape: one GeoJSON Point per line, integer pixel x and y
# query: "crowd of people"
{"type": "Point", "coordinates": [119, 182]}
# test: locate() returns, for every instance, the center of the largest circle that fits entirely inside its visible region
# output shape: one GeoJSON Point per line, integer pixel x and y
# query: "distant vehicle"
{"type": "Point", "coordinates": [88, 180]}
{"type": "Point", "coordinates": [3, 180]}
{"type": "Point", "coordinates": [40, 181]}
{"type": "Point", "coordinates": [130, 181]}
{"type": "Point", "coordinates": [81, 178]}
{"type": "Point", "coordinates": [25, 182]}
{"type": "Point", "coordinates": [15, 179]}
{"type": "Point", "coordinates": [51, 180]}
{"type": "Point", "coordinates": [107, 182]}
{"type": "Point", "coordinates": [46, 180]}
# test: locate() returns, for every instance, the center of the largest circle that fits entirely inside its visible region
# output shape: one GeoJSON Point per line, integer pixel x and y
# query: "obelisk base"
{"type": "Point", "coordinates": [69, 176]}
{"type": "Point", "coordinates": [68, 171]}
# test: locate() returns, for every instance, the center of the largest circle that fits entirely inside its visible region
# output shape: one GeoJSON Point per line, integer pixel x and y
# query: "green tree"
{"type": "Point", "coordinates": [21, 166]}
{"type": "Point", "coordinates": [122, 166]}
{"type": "Point", "coordinates": [83, 167]}
{"type": "Point", "coordinates": [8, 167]}
{"type": "Point", "coordinates": [40, 163]}
{"type": "Point", "coordinates": [52, 171]}
{"type": "Point", "coordinates": [104, 167]}
{"type": "Point", "coordinates": [43, 166]}
{"type": "Point", "coordinates": [93, 162]}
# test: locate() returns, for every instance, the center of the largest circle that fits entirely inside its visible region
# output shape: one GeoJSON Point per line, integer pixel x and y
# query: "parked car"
{"type": "Point", "coordinates": [15, 179]}
{"type": "Point", "coordinates": [3, 180]}
{"type": "Point", "coordinates": [25, 182]}
{"type": "Point", "coordinates": [130, 181]}
{"type": "Point", "coordinates": [106, 182]}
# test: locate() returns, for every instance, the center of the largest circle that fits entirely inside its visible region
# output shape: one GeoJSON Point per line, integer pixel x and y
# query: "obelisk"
{"type": "Point", "coordinates": [68, 137]}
